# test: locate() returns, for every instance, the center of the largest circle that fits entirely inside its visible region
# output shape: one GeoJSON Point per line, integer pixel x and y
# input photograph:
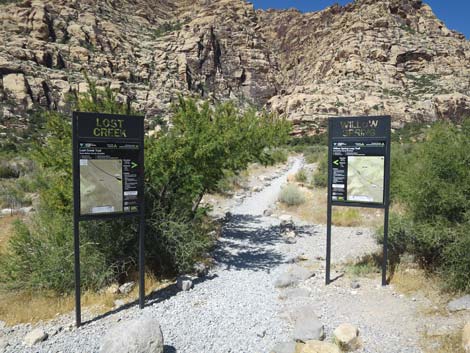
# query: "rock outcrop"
{"type": "Point", "coordinates": [369, 57]}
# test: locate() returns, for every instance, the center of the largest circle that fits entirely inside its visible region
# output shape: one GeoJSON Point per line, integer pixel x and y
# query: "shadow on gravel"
{"type": "Point", "coordinates": [169, 349]}
{"type": "Point", "coordinates": [244, 245]}
{"type": "Point", "coordinates": [154, 298]}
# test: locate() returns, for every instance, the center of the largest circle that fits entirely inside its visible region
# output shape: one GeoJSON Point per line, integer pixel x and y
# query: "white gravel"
{"type": "Point", "coordinates": [236, 307]}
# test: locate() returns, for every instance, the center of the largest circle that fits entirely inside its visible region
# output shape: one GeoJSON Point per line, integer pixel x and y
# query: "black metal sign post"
{"type": "Point", "coordinates": [108, 179]}
{"type": "Point", "coordinates": [358, 171]}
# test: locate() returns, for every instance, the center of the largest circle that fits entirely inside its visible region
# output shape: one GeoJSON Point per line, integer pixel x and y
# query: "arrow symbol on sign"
{"type": "Point", "coordinates": [336, 162]}
{"type": "Point", "coordinates": [133, 165]}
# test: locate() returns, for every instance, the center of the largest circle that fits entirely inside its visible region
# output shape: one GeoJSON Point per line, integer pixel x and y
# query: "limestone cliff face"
{"type": "Point", "coordinates": [370, 57]}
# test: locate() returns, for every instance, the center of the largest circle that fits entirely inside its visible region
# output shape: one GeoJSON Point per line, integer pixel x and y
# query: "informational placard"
{"type": "Point", "coordinates": [359, 158]}
{"type": "Point", "coordinates": [108, 178]}
{"type": "Point", "coordinates": [109, 161]}
{"type": "Point", "coordinates": [358, 170]}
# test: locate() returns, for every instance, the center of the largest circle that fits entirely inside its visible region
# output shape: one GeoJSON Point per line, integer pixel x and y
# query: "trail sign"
{"type": "Point", "coordinates": [358, 170]}
{"type": "Point", "coordinates": [108, 177]}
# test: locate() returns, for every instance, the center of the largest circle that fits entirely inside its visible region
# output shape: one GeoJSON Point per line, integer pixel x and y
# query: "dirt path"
{"type": "Point", "coordinates": [238, 308]}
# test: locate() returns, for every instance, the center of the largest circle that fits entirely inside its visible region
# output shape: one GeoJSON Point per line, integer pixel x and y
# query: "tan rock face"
{"type": "Point", "coordinates": [369, 57]}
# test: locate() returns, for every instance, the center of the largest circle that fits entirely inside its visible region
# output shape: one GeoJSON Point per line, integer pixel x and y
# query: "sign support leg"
{"type": "Point", "coordinates": [328, 246]}
{"type": "Point", "coordinates": [385, 249]}
{"type": "Point", "coordinates": [141, 261]}
{"type": "Point", "coordinates": [76, 240]}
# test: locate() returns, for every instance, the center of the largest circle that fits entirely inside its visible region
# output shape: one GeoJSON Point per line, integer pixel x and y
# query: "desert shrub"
{"type": "Point", "coordinates": [229, 182]}
{"type": "Point", "coordinates": [313, 154]}
{"type": "Point", "coordinates": [348, 217]}
{"type": "Point", "coordinates": [301, 176]}
{"type": "Point", "coordinates": [273, 156]}
{"type": "Point", "coordinates": [291, 195]}
{"type": "Point", "coordinates": [456, 262]}
{"type": "Point", "coordinates": [189, 160]}
{"type": "Point", "coordinates": [320, 176]}
{"type": "Point", "coordinates": [431, 179]}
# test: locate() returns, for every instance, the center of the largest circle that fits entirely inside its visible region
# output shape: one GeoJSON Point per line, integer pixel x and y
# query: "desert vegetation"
{"type": "Point", "coordinates": [204, 145]}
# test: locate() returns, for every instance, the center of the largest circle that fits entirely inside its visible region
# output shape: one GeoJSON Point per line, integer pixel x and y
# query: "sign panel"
{"type": "Point", "coordinates": [358, 171]}
{"type": "Point", "coordinates": [358, 160]}
{"type": "Point", "coordinates": [108, 156]}
{"type": "Point", "coordinates": [108, 179]}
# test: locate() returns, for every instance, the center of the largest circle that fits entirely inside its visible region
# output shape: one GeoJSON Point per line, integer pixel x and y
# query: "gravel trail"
{"type": "Point", "coordinates": [236, 308]}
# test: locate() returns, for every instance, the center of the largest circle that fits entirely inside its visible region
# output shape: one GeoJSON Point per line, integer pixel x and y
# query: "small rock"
{"type": "Point", "coordinates": [347, 337]}
{"type": "Point", "coordinates": [126, 288]}
{"type": "Point", "coordinates": [359, 233]}
{"type": "Point", "coordinates": [355, 285]}
{"type": "Point", "coordinates": [142, 335]}
{"type": "Point", "coordinates": [285, 280]}
{"type": "Point", "coordinates": [294, 275]}
{"type": "Point", "coordinates": [459, 304]}
{"type": "Point", "coordinates": [308, 328]}
{"type": "Point", "coordinates": [290, 240]}
{"type": "Point", "coordinates": [184, 283]}
{"type": "Point", "coordinates": [268, 212]}
{"type": "Point", "coordinates": [201, 269]}
{"type": "Point", "coordinates": [228, 216]}
{"type": "Point", "coordinates": [35, 336]}
{"type": "Point", "coordinates": [466, 338]}
{"type": "Point", "coordinates": [319, 347]}
{"type": "Point", "coordinates": [261, 333]}
{"type": "Point", "coordinates": [284, 347]}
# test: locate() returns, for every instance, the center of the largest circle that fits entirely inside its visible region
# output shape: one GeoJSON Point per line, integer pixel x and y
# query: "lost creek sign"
{"type": "Point", "coordinates": [108, 178]}
{"type": "Point", "coordinates": [358, 170]}
{"type": "Point", "coordinates": [109, 161]}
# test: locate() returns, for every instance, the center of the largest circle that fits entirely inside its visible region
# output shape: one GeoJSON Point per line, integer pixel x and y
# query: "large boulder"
{"type": "Point", "coordinates": [141, 335]}
{"type": "Point", "coordinates": [293, 275]}
{"type": "Point", "coordinates": [308, 328]}
{"type": "Point", "coordinates": [347, 337]}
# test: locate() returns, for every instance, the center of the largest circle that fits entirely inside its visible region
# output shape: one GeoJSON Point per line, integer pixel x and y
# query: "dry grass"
{"type": "Point", "coordinates": [314, 211]}
{"type": "Point", "coordinates": [450, 343]}
{"type": "Point", "coordinates": [410, 281]}
{"type": "Point", "coordinates": [367, 266]}
{"type": "Point", "coordinates": [42, 306]}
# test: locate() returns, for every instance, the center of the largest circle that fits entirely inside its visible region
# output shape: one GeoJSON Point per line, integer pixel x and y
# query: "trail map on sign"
{"type": "Point", "coordinates": [101, 186]}
{"type": "Point", "coordinates": [365, 181]}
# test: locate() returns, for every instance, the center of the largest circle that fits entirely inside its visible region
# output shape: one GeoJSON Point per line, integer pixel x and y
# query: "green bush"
{"type": "Point", "coordinates": [182, 165]}
{"type": "Point", "coordinates": [313, 154]}
{"type": "Point", "coordinates": [301, 176]}
{"type": "Point", "coordinates": [291, 195]}
{"type": "Point", "coordinates": [320, 176]}
{"type": "Point", "coordinates": [431, 179]}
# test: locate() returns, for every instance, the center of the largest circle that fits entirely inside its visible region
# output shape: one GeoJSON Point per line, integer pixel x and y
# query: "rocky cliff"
{"type": "Point", "coordinates": [369, 57]}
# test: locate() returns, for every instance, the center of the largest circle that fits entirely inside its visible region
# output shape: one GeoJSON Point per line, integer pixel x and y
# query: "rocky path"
{"type": "Point", "coordinates": [242, 306]}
